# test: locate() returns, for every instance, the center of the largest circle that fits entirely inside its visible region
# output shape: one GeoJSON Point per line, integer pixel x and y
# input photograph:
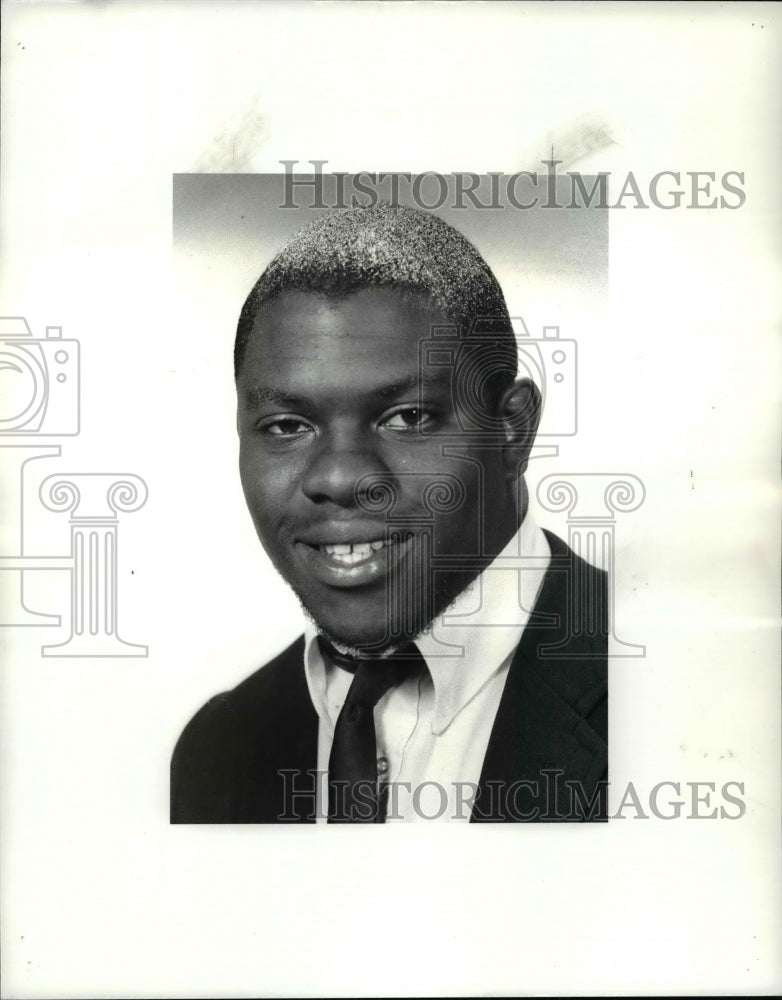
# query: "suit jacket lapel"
{"type": "Point", "coordinates": [547, 751]}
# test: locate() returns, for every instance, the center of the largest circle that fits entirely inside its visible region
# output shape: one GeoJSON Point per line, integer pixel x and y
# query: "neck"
{"type": "Point", "coordinates": [510, 521]}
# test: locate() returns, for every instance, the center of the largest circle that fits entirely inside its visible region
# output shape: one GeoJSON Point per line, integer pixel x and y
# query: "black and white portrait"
{"type": "Point", "coordinates": [454, 658]}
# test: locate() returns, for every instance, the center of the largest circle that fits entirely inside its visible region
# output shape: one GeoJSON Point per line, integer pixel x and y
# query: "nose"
{"type": "Point", "coordinates": [335, 472]}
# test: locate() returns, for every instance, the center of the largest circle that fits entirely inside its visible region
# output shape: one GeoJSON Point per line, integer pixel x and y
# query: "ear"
{"type": "Point", "coordinates": [520, 407]}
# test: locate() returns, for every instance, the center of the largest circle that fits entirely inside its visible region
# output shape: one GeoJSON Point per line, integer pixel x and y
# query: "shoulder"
{"type": "Point", "coordinates": [562, 553]}
{"type": "Point", "coordinates": [569, 648]}
{"type": "Point", "coordinates": [271, 681]}
{"type": "Point", "coordinates": [234, 730]}
{"type": "Point", "coordinates": [259, 693]}
{"type": "Point", "coordinates": [578, 586]}
{"type": "Point", "coordinates": [276, 679]}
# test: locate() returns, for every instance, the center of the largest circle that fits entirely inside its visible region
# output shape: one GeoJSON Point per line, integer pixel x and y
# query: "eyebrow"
{"type": "Point", "coordinates": [257, 394]}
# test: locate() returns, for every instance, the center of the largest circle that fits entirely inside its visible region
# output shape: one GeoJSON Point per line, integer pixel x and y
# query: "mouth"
{"type": "Point", "coordinates": [355, 564]}
{"type": "Point", "coordinates": [354, 554]}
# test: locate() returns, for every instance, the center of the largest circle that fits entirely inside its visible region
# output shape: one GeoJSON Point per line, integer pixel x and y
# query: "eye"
{"type": "Point", "coordinates": [286, 427]}
{"type": "Point", "coordinates": [408, 420]}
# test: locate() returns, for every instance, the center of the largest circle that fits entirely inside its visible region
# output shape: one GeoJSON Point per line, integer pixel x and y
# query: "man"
{"type": "Point", "coordinates": [384, 435]}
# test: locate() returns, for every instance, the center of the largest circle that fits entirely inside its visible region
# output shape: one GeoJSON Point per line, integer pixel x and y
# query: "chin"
{"type": "Point", "coordinates": [349, 636]}
{"type": "Point", "coordinates": [349, 639]}
{"type": "Point", "coordinates": [354, 623]}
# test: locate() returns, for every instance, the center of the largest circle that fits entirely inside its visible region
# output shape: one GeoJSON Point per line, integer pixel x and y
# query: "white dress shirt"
{"type": "Point", "coordinates": [433, 730]}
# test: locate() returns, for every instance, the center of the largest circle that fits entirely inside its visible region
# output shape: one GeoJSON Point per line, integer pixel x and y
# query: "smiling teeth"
{"type": "Point", "coordinates": [350, 554]}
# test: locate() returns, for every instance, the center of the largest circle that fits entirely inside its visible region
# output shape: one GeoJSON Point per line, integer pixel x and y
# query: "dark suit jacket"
{"type": "Point", "coordinates": [249, 755]}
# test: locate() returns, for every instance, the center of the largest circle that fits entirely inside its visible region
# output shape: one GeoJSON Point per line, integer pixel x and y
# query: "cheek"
{"type": "Point", "coordinates": [268, 485]}
{"type": "Point", "coordinates": [474, 487]}
{"type": "Point", "coordinates": [457, 534]}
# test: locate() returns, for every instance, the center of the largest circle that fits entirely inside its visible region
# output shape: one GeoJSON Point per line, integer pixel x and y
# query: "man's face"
{"type": "Point", "coordinates": [343, 438]}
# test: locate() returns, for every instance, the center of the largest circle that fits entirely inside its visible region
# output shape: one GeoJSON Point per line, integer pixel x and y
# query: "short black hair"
{"type": "Point", "coordinates": [391, 246]}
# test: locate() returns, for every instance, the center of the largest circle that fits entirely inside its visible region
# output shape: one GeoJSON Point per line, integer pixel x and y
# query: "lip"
{"type": "Point", "coordinates": [327, 570]}
{"type": "Point", "coordinates": [345, 533]}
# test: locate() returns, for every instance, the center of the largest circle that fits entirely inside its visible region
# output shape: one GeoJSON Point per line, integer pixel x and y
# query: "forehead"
{"type": "Point", "coordinates": [375, 327]}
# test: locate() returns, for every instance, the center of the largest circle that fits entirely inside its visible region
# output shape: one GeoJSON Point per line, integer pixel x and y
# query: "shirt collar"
{"type": "Point", "coordinates": [469, 642]}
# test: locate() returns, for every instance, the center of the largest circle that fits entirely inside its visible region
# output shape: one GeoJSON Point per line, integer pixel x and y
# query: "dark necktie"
{"type": "Point", "coordinates": [354, 796]}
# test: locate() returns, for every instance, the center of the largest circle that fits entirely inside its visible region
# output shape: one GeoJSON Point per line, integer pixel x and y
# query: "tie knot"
{"type": "Point", "coordinates": [347, 661]}
{"type": "Point", "coordinates": [374, 677]}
